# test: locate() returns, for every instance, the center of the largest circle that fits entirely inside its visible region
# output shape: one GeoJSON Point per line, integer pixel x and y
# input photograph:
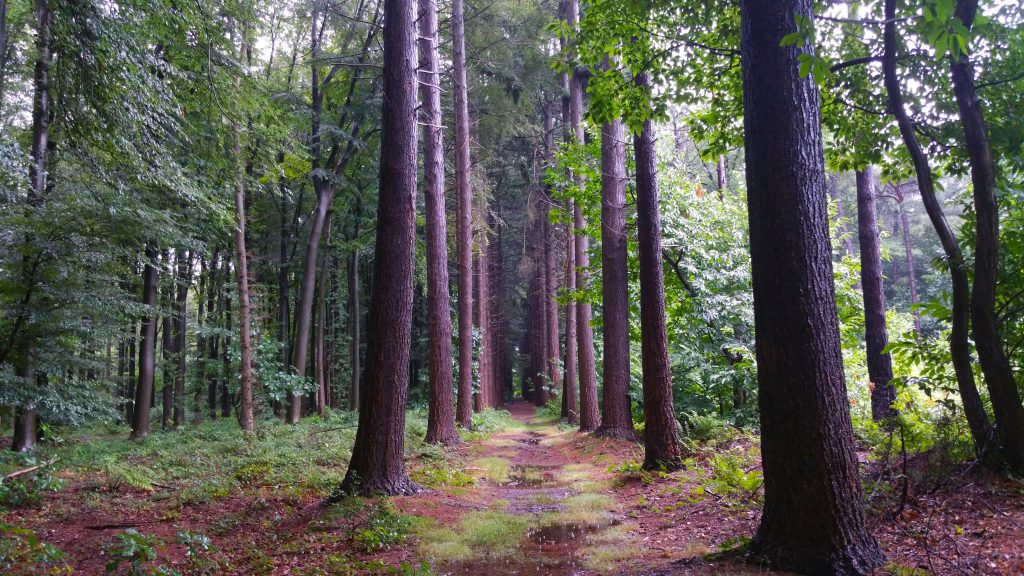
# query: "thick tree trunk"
{"type": "Point", "coordinates": [441, 413]}
{"type": "Point", "coordinates": [377, 457]}
{"type": "Point", "coordinates": [464, 215]}
{"type": "Point", "coordinates": [26, 417]}
{"type": "Point", "coordinates": [1002, 386]}
{"type": "Point", "coordinates": [570, 398]}
{"type": "Point", "coordinates": [813, 520]}
{"type": "Point", "coordinates": [661, 440]}
{"type": "Point", "coordinates": [876, 336]}
{"type": "Point", "coordinates": [616, 416]}
{"type": "Point", "coordinates": [959, 346]}
{"type": "Point", "coordinates": [147, 348]}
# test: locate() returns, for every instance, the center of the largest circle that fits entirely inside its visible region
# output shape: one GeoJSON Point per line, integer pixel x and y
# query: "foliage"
{"type": "Point", "coordinates": [23, 553]}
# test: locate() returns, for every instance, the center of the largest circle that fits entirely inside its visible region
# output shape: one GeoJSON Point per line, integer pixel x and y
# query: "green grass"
{"type": "Point", "coordinates": [487, 533]}
{"type": "Point", "coordinates": [496, 470]}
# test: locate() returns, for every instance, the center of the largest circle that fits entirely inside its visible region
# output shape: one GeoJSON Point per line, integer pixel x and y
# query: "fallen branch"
{"type": "Point", "coordinates": [24, 471]}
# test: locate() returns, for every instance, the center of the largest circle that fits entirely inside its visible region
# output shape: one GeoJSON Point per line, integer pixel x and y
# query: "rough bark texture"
{"type": "Point", "coordinates": [661, 440]}
{"type": "Point", "coordinates": [959, 345]}
{"type": "Point", "coordinates": [813, 520]}
{"type": "Point", "coordinates": [876, 336]}
{"type": "Point", "coordinates": [616, 417]}
{"type": "Point", "coordinates": [377, 463]}
{"type": "Point", "coordinates": [1002, 386]}
{"type": "Point", "coordinates": [590, 417]}
{"type": "Point", "coordinates": [147, 349]}
{"type": "Point", "coordinates": [441, 416]}
{"type": "Point", "coordinates": [570, 406]}
{"type": "Point", "coordinates": [464, 215]}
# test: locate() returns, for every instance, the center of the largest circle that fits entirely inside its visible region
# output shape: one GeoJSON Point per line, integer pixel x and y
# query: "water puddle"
{"type": "Point", "coordinates": [546, 551]}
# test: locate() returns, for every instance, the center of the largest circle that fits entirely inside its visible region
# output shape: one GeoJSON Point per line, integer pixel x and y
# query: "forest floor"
{"type": "Point", "coordinates": [533, 497]}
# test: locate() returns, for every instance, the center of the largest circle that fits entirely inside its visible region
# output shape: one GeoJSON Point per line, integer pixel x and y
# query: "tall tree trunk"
{"type": "Point", "coordinates": [876, 336]}
{"type": "Point", "coordinates": [441, 413]}
{"type": "Point", "coordinates": [354, 331]}
{"type": "Point", "coordinates": [167, 342]}
{"type": "Point", "coordinates": [225, 347]}
{"type": "Point", "coordinates": [550, 267]}
{"type": "Point", "coordinates": [496, 309]}
{"type": "Point", "coordinates": [482, 317]}
{"type": "Point", "coordinates": [616, 416]}
{"type": "Point", "coordinates": [661, 440]}
{"type": "Point", "coordinates": [147, 347]}
{"type": "Point", "coordinates": [570, 396]}
{"type": "Point", "coordinates": [319, 345]}
{"type": "Point", "coordinates": [180, 325]}
{"type": "Point", "coordinates": [130, 386]}
{"type": "Point", "coordinates": [590, 417]}
{"type": "Point", "coordinates": [214, 299]}
{"type": "Point", "coordinates": [377, 457]}
{"type": "Point", "coordinates": [464, 216]}
{"type": "Point", "coordinates": [723, 178]}
{"type": "Point", "coordinates": [959, 346]}
{"type": "Point", "coordinates": [1002, 386]}
{"type": "Point", "coordinates": [813, 520]}
{"type": "Point", "coordinates": [245, 407]}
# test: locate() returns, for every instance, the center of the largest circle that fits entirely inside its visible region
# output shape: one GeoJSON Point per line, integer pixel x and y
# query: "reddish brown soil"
{"type": "Point", "coordinates": [973, 523]}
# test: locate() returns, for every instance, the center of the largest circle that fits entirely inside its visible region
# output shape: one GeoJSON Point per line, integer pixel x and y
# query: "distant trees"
{"type": "Point", "coordinates": [813, 520]}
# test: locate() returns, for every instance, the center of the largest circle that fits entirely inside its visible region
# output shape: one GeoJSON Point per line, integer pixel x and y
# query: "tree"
{"type": "Point", "coordinates": [813, 520]}
{"type": "Point", "coordinates": [464, 218]}
{"type": "Point", "coordinates": [377, 463]}
{"type": "Point", "coordinates": [441, 418]}
{"type": "Point", "coordinates": [147, 347]}
{"type": "Point", "coordinates": [876, 336]}
{"type": "Point", "coordinates": [959, 346]}
{"type": "Point", "coordinates": [661, 440]}
{"type": "Point", "coordinates": [616, 417]}
{"type": "Point", "coordinates": [1002, 386]}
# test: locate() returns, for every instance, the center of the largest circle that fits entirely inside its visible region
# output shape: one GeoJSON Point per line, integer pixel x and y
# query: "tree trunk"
{"type": "Point", "coordinates": [570, 398]}
{"type": "Point", "coordinates": [590, 417]}
{"type": "Point", "coordinates": [354, 331]}
{"type": "Point", "coordinates": [245, 407]}
{"type": "Point", "coordinates": [225, 347]}
{"type": "Point", "coordinates": [147, 347]}
{"type": "Point", "coordinates": [320, 357]}
{"type": "Point", "coordinates": [180, 325]}
{"type": "Point", "coordinates": [212, 299]}
{"type": "Point", "coordinates": [813, 520]}
{"type": "Point", "coordinates": [1002, 386]}
{"type": "Point", "coordinates": [130, 387]}
{"type": "Point", "coordinates": [377, 457]}
{"type": "Point", "coordinates": [908, 254]}
{"type": "Point", "coordinates": [26, 417]}
{"type": "Point", "coordinates": [876, 336]}
{"type": "Point", "coordinates": [441, 414]}
{"type": "Point", "coordinates": [464, 215]}
{"type": "Point", "coordinates": [661, 441]}
{"type": "Point", "coordinates": [959, 346]}
{"type": "Point", "coordinates": [167, 342]}
{"type": "Point", "coordinates": [550, 267]}
{"type": "Point", "coordinates": [616, 416]}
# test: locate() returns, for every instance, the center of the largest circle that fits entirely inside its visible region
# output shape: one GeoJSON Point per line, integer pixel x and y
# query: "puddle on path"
{"type": "Point", "coordinates": [522, 476]}
{"type": "Point", "coordinates": [546, 551]}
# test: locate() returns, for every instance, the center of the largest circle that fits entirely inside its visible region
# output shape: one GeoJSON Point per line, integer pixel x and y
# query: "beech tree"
{"type": "Point", "coordinates": [813, 519]}
{"type": "Point", "coordinates": [377, 463]}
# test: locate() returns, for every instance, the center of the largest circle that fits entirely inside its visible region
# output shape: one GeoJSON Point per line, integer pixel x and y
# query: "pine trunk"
{"type": "Point", "coordinates": [377, 464]}
{"type": "Point", "coordinates": [441, 413]}
{"type": "Point", "coordinates": [813, 520]}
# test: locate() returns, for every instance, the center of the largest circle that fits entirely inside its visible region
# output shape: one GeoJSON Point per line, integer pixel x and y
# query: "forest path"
{"type": "Point", "coordinates": [541, 503]}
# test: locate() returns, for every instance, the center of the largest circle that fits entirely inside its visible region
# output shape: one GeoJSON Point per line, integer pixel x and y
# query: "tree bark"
{"type": "Point", "coordinates": [320, 357]}
{"type": "Point", "coordinates": [180, 325]}
{"type": "Point", "coordinates": [616, 416]}
{"type": "Point", "coordinates": [876, 335]}
{"type": "Point", "coordinates": [26, 417]}
{"type": "Point", "coordinates": [813, 520]}
{"type": "Point", "coordinates": [959, 346]}
{"type": "Point", "coordinates": [661, 440]}
{"type": "Point", "coordinates": [464, 215]}
{"type": "Point", "coordinates": [147, 348]}
{"type": "Point", "coordinates": [1002, 386]}
{"type": "Point", "coordinates": [441, 412]}
{"type": "Point", "coordinates": [245, 407]}
{"type": "Point", "coordinates": [590, 417]}
{"type": "Point", "coordinates": [377, 457]}
{"type": "Point", "coordinates": [354, 331]}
